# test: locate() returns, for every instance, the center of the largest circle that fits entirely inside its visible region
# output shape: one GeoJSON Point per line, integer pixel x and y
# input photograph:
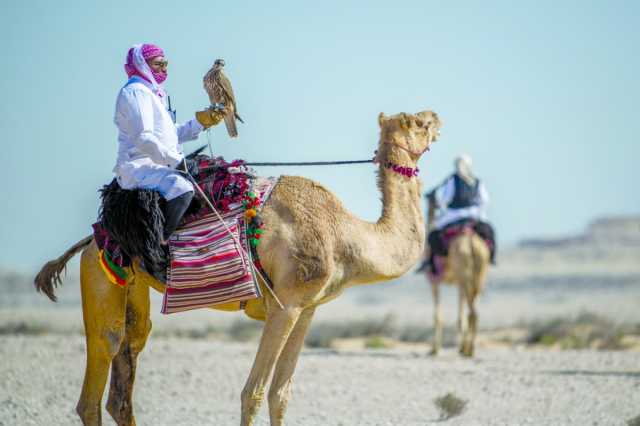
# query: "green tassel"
{"type": "Point", "coordinates": [115, 268]}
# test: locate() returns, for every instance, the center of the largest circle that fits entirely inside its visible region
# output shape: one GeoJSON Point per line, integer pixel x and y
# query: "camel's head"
{"type": "Point", "coordinates": [413, 133]}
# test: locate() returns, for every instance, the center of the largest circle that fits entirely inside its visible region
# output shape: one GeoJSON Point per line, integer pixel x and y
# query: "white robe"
{"type": "Point", "coordinates": [149, 141]}
{"type": "Point", "coordinates": [444, 196]}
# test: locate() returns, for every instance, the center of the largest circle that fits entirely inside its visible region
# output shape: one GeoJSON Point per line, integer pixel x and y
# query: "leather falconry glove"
{"type": "Point", "coordinates": [209, 117]}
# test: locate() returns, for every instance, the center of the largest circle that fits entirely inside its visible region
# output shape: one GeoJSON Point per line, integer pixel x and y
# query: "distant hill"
{"type": "Point", "coordinates": [609, 231]}
{"type": "Point", "coordinates": [609, 249]}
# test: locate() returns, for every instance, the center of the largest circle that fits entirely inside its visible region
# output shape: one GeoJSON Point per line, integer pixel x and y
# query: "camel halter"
{"type": "Point", "coordinates": [410, 151]}
{"type": "Point", "coordinates": [402, 170]}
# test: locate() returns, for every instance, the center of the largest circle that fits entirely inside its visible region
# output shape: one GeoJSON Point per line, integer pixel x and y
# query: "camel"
{"type": "Point", "coordinates": [466, 267]}
{"type": "Point", "coordinates": [312, 250]}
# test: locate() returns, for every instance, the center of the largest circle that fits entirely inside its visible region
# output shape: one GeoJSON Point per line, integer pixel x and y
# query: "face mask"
{"type": "Point", "coordinates": [160, 77]}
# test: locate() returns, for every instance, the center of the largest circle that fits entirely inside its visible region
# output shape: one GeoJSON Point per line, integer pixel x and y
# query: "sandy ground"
{"type": "Point", "coordinates": [195, 382]}
{"type": "Point", "coordinates": [198, 381]}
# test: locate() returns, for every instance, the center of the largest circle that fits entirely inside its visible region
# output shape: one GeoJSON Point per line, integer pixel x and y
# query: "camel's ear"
{"type": "Point", "coordinates": [381, 119]}
{"type": "Point", "coordinates": [405, 122]}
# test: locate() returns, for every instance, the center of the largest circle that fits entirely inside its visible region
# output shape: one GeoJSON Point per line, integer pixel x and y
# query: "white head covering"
{"type": "Point", "coordinates": [143, 68]}
{"type": "Point", "coordinates": [462, 165]}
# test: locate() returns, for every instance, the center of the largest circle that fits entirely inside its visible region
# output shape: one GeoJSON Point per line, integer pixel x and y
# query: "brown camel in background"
{"type": "Point", "coordinates": [312, 250]}
{"type": "Point", "coordinates": [466, 267]}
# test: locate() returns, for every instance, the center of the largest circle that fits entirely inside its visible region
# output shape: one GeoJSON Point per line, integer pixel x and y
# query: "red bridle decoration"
{"type": "Point", "coordinates": [402, 170]}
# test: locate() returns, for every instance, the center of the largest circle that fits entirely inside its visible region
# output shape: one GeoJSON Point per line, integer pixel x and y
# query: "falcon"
{"type": "Point", "coordinates": [219, 89]}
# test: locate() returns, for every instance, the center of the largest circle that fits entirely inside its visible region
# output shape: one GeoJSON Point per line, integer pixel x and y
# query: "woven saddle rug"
{"type": "Point", "coordinates": [211, 255]}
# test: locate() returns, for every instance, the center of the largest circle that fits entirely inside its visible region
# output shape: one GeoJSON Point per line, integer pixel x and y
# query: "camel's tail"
{"type": "Point", "coordinates": [49, 276]}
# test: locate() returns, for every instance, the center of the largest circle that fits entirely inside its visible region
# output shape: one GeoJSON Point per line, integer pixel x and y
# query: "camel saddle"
{"type": "Point", "coordinates": [435, 264]}
{"type": "Point", "coordinates": [209, 258]}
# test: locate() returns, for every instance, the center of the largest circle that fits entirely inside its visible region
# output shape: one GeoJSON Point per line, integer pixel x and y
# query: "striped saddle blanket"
{"type": "Point", "coordinates": [212, 258]}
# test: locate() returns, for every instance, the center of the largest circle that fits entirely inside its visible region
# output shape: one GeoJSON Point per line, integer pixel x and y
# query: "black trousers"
{"type": "Point", "coordinates": [483, 229]}
{"type": "Point", "coordinates": [174, 210]}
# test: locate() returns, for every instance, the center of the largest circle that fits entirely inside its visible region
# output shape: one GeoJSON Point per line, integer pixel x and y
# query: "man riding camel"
{"type": "Point", "coordinates": [150, 155]}
{"type": "Point", "coordinates": [461, 198]}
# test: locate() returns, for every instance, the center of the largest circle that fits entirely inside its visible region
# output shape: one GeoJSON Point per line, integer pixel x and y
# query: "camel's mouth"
{"type": "Point", "coordinates": [431, 122]}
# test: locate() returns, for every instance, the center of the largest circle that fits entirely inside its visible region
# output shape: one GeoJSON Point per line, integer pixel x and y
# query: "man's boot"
{"type": "Point", "coordinates": [174, 210]}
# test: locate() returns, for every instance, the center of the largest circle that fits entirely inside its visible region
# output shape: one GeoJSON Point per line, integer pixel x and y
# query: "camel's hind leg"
{"type": "Point", "coordinates": [469, 337]}
{"type": "Point", "coordinates": [280, 389]}
{"type": "Point", "coordinates": [103, 309]}
{"type": "Point", "coordinates": [277, 328]}
{"type": "Point", "coordinates": [437, 319]}
{"type": "Point", "coordinates": [473, 288]}
{"type": "Point", "coordinates": [468, 346]}
{"type": "Point", "coordinates": [123, 367]}
{"type": "Point", "coordinates": [463, 329]}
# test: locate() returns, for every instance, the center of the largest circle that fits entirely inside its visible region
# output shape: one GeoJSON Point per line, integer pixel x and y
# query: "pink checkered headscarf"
{"type": "Point", "coordinates": [137, 65]}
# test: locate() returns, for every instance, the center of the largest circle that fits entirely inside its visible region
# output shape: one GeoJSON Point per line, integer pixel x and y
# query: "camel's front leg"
{"type": "Point", "coordinates": [123, 367]}
{"type": "Point", "coordinates": [280, 389]}
{"type": "Point", "coordinates": [103, 309]}
{"type": "Point", "coordinates": [437, 319]}
{"type": "Point", "coordinates": [276, 331]}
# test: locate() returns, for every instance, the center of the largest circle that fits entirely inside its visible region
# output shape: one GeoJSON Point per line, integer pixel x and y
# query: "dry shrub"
{"type": "Point", "coordinates": [321, 335]}
{"type": "Point", "coordinates": [24, 328]}
{"type": "Point", "coordinates": [634, 421]}
{"type": "Point", "coordinates": [450, 406]}
{"type": "Point", "coordinates": [245, 330]}
{"type": "Point", "coordinates": [587, 330]}
{"type": "Point", "coordinates": [377, 342]}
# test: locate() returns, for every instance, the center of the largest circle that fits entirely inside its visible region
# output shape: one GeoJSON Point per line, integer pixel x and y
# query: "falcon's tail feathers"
{"type": "Point", "coordinates": [230, 122]}
{"type": "Point", "coordinates": [238, 118]}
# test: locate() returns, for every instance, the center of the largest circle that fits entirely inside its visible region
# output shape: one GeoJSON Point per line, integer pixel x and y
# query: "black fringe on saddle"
{"type": "Point", "coordinates": [135, 219]}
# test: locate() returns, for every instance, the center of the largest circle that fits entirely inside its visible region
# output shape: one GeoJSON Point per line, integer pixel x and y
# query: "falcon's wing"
{"type": "Point", "coordinates": [225, 85]}
{"type": "Point", "coordinates": [209, 86]}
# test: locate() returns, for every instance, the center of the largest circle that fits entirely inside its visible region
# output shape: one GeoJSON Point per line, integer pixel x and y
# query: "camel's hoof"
{"type": "Point", "coordinates": [433, 352]}
{"type": "Point", "coordinates": [462, 351]}
{"type": "Point", "coordinates": [468, 353]}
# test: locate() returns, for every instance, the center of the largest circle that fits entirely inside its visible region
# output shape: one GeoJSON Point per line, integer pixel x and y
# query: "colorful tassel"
{"type": "Point", "coordinates": [115, 274]}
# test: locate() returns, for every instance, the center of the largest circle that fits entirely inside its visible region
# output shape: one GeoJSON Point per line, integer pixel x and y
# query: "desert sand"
{"type": "Point", "coordinates": [197, 379]}
{"type": "Point", "coordinates": [190, 382]}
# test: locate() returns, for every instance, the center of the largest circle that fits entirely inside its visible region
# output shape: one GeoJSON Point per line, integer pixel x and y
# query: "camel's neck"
{"type": "Point", "coordinates": [395, 242]}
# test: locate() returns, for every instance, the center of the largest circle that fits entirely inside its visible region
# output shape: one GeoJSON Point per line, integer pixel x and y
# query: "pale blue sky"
{"type": "Point", "coordinates": [542, 95]}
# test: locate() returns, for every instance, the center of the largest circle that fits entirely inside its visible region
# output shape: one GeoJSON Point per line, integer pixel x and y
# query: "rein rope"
{"type": "Point", "coordinates": [310, 163]}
